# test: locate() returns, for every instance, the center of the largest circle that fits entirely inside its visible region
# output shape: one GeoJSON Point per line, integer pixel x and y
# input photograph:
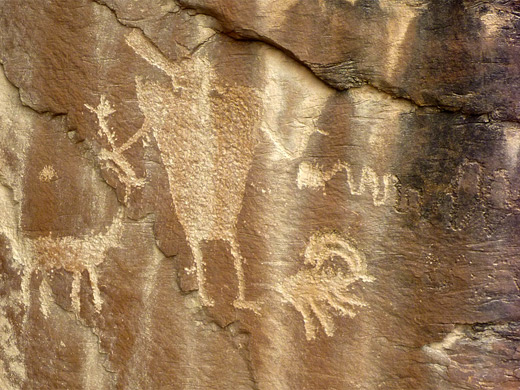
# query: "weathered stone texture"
{"type": "Point", "coordinates": [227, 194]}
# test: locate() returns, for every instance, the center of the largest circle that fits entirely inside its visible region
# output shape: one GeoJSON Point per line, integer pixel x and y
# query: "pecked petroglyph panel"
{"type": "Point", "coordinates": [190, 210]}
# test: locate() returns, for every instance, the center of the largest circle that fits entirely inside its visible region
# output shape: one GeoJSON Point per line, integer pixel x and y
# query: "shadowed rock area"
{"type": "Point", "coordinates": [282, 194]}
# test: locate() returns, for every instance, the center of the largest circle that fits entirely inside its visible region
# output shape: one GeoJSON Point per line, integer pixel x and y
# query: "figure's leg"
{"type": "Point", "coordinates": [240, 302]}
{"type": "Point", "coordinates": [96, 294]}
{"type": "Point", "coordinates": [74, 293]}
{"type": "Point", "coordinates": [205, 300]}
{"type": "Point", "coordinates": [45, 296]}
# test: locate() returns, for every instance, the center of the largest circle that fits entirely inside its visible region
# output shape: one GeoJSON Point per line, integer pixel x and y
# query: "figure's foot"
{"type": "Point", "coordinates": [241, 303]}
{"type": "Point", "coordinates": [205, 300]}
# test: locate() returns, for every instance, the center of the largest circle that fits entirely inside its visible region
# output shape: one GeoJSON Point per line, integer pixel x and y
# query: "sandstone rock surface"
{"type": "Point", "coordinates": [228, 194]}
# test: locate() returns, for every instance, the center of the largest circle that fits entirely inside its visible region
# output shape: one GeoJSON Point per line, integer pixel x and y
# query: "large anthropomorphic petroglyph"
{"type": "Point", "coordinates": [206, 136]}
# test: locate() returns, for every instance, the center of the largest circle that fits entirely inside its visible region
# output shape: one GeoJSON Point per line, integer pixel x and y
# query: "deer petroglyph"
{"type": "Point", "coordinates": [72, 254]}
{"type": "Point", "coordinates": [43, 255]}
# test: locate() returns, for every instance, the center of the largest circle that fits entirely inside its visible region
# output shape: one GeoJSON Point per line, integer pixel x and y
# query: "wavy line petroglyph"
{"type": "Point", "coordinates": [205, 133]}
{"type": "Point", "coordinates": [113, 157]}
{"type": "Point", "coordinates": [325, 284]}
{"type": "Point", "coordinates": [382, 188]}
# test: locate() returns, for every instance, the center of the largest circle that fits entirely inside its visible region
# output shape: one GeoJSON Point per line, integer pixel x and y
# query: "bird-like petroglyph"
{"type": "Point", "coordinates": [333, 265]}
{"type": "Point", "coordinates": [112, 156]}
{"type": "Point", "coordinates": [382, 188]}
{"type": "Point", "coordinates": [206, 135]}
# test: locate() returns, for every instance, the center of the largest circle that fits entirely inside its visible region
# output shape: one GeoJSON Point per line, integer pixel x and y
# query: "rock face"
{"type": "Point", "coordinates": [282, 194]}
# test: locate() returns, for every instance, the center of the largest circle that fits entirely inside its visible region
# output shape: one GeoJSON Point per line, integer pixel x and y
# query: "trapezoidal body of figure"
{"type": "Point", "coordinates": [205, 132]}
